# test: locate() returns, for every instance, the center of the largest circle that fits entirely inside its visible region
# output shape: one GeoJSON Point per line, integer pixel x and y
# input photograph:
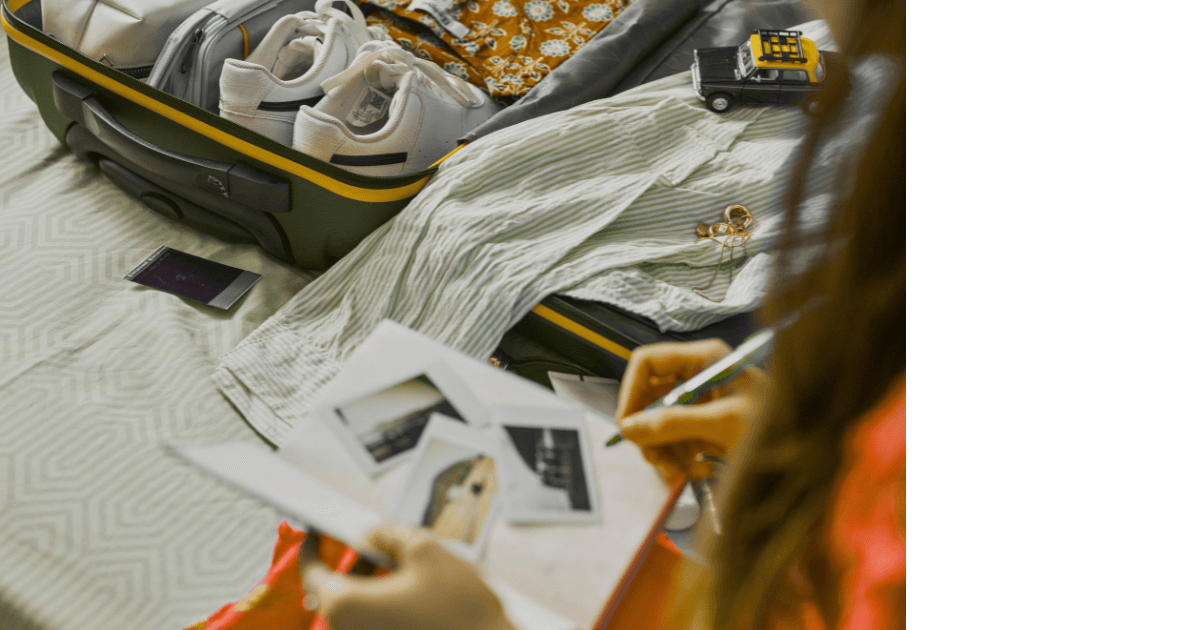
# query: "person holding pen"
{"type": "Point", "coordinates": [812, 502]}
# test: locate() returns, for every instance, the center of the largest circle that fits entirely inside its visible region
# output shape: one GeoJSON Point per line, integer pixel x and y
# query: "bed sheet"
{"type": "Point", "coordinates": [99, 526]}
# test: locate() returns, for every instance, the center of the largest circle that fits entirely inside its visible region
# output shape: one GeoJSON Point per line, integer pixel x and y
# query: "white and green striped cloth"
{"type": "Point", "coordinates": [599, 202]}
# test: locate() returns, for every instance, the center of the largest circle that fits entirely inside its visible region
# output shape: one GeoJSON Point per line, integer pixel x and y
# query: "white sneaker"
{"type": "Point", "coordinates": [264, 92]}
{"type": "Point", "coordinates": [390, 114]}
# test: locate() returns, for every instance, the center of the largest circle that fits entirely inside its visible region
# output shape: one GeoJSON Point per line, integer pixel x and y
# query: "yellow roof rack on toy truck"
{"type": "Point", "coordinates": [783, 50]}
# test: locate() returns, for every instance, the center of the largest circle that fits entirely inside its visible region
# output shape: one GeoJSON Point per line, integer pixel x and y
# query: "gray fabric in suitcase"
{"type": "Point", "coordinates": [190, 64]}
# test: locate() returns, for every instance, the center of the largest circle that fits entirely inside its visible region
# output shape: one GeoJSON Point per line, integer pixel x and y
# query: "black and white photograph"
{"type": "Point", "coordinates": [547, 466]}
{"type": "Point", "coordinates": [383, 428]}
{"type": "Point", "coordinates": [453, 487]}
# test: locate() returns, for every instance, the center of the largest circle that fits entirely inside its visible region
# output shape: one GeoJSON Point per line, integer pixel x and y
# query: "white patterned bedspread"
{"type": "Point", "coordinates": [99, 526]}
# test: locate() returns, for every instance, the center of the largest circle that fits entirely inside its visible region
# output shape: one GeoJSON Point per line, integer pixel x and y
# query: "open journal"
{"type": "Point", "coordinates": [503, 472]}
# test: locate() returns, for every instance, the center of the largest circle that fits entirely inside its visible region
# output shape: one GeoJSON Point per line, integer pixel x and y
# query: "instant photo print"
{"type": "Point", "coordinates": [384, 428]}
{"type": "Point", "coordinates": [453, 488]}
{"type": "Point", "coordinates": [546, 466]}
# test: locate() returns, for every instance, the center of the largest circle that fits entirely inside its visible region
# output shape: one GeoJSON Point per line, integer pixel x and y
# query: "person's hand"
{"type": "Point", "coordinates": [672, 437]}
{"type": "Point", "coordinates": [431, 589]}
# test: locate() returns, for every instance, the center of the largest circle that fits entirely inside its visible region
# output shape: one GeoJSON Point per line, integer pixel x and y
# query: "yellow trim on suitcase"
{"type": "Point", "coordinates": [263, 155]}
{"type": "Point", "coordinates": [581, 331]}
{"type": "Point", "coordinates": [15, 5]}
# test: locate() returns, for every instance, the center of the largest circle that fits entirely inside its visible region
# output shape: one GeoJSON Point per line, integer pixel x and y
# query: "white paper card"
{"type": "Point", "coordinates": [596, 392]}
{"type": "Point", "coordinates": [382, 429]}
{"type": "Point", "coordinates": [453, 487]}
{"type": "Point", "coordinates": [570, 569]}
{"type": "Point", "coordinates": [261, 474]}
{"type": "Point", "coordinates": [526, 614]}
{"type": "Point", "coordinates": [546, 466]}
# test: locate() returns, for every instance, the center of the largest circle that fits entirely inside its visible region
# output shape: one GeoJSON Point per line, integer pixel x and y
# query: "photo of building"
{"type": "Point", "coordinates": [554, 476]}
{"type": "Point", "coordinates": [390, 422]}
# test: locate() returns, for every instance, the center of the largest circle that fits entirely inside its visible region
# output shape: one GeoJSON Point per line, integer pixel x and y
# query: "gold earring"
{"type": "Point", "coordinates": [734, 232]}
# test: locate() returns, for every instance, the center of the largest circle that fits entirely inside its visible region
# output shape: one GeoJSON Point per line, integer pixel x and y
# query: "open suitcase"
{"type": "Point", "coordinates": [189, 164]}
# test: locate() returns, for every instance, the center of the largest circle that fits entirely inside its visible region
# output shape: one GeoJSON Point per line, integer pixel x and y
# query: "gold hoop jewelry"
{"type": "Point", "coordinates": [737, 228]}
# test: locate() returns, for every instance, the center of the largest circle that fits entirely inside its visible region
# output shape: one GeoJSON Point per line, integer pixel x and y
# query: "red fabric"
{"type": "Point", "coordinates": [276, 602]}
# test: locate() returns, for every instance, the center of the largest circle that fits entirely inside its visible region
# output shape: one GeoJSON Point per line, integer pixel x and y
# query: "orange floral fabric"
{"type": "Point", "coordinates": [511, 44]}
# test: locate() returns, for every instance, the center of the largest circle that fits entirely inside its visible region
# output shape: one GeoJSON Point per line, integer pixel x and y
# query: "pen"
{"type": "Point", "coordinates": [753, 351]}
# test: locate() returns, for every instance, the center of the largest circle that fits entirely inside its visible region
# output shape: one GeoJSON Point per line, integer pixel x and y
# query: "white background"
{"type": "Point", "coordinates": [1055, 226]}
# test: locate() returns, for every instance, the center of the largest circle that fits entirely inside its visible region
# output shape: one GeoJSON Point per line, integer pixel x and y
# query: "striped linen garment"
{"type": "Point", "coordinates": [599, 202]}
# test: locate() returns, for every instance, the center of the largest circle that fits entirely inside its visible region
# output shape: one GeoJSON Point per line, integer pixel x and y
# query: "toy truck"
{"type": "Point", "coordinates": [770, 67]}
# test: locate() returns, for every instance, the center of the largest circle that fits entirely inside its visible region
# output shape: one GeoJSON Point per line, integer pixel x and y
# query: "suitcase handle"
{"type": "Point", "coordinates": [236, 182]}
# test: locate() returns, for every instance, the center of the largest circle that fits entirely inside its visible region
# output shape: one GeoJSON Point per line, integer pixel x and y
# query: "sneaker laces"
{"type": "Point", "coordinates": [317, 22]}
{"type": "Point", "coordinates": [296, 56]}
{"type": "Point", "coordinates": [384, 64]}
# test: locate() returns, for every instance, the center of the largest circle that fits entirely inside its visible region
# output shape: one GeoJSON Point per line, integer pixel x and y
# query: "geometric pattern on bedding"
{"type": "Point", "coordinates": [99, 526]}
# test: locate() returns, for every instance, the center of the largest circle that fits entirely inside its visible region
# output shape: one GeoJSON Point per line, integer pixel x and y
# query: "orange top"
{"type": "Point", "coordinates": [866, 525]}
{"type": "Point", "coordinates": [865, 540]}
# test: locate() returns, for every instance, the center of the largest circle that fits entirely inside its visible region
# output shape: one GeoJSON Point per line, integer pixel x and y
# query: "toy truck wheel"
{"type": "Point", "coordinates": [719, 102]}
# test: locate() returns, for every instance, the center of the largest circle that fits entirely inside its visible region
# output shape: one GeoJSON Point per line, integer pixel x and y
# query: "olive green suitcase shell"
{"type": "Point", "coordinates": [563, 334]}
{"type": "Point", "coordinates": [194, 166]}
{"type": "Point", "coordinates": [328, 210]}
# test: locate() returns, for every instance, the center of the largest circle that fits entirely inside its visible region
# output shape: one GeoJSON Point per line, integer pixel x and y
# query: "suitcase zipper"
{"type": "Point", "coordinates": [193, 48]}
{"type": "Point", "coordinates": [208, 33]}
{"type": "Point", "coordinates": [138, 73]}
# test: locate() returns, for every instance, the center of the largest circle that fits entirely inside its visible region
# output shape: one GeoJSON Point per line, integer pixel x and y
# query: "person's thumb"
{"type": "Point", "coordinates": [331, 593]}
{"type": "Point", "coordinates": [392, 540]}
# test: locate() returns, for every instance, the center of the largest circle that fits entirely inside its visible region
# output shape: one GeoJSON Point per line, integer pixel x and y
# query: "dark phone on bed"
{"type": "Point", "coordinates": [193, 278]}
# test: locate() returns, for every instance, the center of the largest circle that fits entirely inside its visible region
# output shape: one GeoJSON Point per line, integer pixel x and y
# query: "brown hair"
{"type": "Point", "coordinates": [829, 369]}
